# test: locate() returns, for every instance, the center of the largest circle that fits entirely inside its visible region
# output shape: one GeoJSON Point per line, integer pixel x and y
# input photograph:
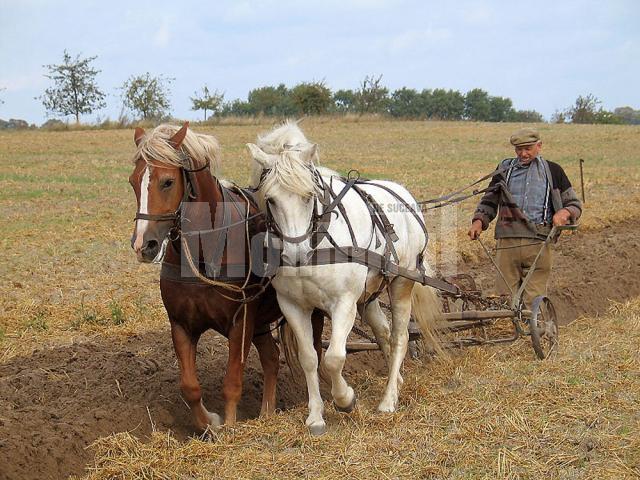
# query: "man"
{"type": "Point", "coordinates": [529, 196]}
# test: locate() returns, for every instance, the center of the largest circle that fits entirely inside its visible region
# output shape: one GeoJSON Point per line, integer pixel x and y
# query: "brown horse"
{"type": "Point", "coordinates": [210, 287]}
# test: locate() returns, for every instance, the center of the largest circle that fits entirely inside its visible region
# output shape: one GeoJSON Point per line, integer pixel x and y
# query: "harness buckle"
{"type": "Point", "coordinates": [174, 234]}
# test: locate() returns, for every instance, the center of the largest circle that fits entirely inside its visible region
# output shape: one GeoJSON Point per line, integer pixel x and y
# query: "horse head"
{"type": "Point", "coordinates": [159, 190]}
{"type": "Point", "coordinates": [287, 193]}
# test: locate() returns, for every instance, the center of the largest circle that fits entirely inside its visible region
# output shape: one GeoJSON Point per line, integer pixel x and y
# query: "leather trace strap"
{"type": "Point", "coordinates": [355, 254]}
{"type": "Point", "coordinates": [455, 197]}
{"type": "Point", "coordinates": [368, 258]}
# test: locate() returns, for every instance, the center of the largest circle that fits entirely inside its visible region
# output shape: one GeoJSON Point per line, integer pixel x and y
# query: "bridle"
{"type": "Point", "coordinates": [319, 224]}
{"type": "Point", "coordinates": [190, 193]}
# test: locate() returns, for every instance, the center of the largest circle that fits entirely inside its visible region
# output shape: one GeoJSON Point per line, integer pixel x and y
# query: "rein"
{"type": "Point", "coordinates": [452, 198]}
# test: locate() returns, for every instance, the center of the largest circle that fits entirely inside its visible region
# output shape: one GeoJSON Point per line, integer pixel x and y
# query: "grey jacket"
{"type": "Point", "coordinates": [512, 222]}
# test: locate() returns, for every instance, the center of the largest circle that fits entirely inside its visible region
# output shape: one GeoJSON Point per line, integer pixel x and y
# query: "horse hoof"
{"type": "Point", "coordinates": [214, 419]}
{"type": "Point", "coordinates": [318, 429]}
{"type": "Point", "coordinates": [349, 408]}
{"type": "Point", "coordinates": [387, 407]}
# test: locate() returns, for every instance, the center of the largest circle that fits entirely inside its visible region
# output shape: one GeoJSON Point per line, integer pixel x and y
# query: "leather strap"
{"type": "Point", "coordinates": [367, 258]}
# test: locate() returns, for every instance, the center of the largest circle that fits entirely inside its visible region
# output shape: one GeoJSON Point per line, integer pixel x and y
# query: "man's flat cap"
{"type": "Point", "coordinates": [525, 136]}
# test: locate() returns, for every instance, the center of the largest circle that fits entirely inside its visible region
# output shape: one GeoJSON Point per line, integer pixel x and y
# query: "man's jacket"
{"type": "Point", "coordinates": [512, 221]}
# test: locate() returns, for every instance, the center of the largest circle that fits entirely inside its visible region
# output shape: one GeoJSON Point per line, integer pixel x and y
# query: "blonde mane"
{"type": "Point", "coordinates": [282, 137]}
{"type": "Point", "coordinates": [290, 171]}
{"type": "Point", "coordinates": [155, 148]}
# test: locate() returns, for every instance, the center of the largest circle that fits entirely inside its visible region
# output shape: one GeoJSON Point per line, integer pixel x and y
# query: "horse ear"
{"type": "Point", "coordinates": [259, 156]}
{"type": "Point", "coordinates": [310, 153]}
{"type": "Point", "coordinates": [137, 135]}
{"type": "Point", "coordinates": [178, 137]}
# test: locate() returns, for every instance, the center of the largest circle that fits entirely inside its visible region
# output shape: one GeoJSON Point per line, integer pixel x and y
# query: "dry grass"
{"type": "Point", "coordinates": [489, 413]}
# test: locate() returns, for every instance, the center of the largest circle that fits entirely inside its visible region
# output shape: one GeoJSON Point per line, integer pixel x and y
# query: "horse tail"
{"type": "Point", "coordinates": [290, 348]}
{"type": "Point", "coordinates": [426, 308]}
{"type": "Point", "coordinates": [289, 344]}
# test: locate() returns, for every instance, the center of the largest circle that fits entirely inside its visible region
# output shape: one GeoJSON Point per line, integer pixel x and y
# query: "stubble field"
{"type": "Point", "coordinates": [84, 339]}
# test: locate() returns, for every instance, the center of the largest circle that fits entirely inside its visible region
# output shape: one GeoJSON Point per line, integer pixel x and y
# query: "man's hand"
{"type": "Point", "coordinates": [561, 217]}
{"type": "Point", "coordinates": [475, 230]}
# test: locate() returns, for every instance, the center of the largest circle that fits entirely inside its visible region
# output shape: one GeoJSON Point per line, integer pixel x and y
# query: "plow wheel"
{"type": "Point", "coordinates": [543, 326]}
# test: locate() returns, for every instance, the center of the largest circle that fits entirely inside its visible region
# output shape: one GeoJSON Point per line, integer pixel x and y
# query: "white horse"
{"type": "Point", "coordinates": [289, 189]}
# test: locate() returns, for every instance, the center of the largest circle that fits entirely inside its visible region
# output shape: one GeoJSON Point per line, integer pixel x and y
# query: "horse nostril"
{"type": "Point", "coordinates": [151, 249]}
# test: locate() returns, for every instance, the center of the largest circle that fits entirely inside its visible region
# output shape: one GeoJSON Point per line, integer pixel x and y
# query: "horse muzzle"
{"type": "Point", "coordinates": [148, 251]}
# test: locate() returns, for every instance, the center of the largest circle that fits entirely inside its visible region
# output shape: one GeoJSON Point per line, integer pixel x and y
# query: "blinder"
{"type": "Point", "coordinates": [319, 224]}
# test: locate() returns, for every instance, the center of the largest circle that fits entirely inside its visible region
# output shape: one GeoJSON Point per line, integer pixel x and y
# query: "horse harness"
{"type": "Point", "coordinates": [220, 274]}
{"type": "Point", "coordinates": [386, 263]}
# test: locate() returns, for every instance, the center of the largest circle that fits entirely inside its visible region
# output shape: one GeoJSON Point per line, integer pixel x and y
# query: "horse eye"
{"type": "Point", "coordinates": [167, 183]}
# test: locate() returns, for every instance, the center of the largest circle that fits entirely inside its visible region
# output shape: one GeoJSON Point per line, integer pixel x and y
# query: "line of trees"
{"type": "Point", "coordinates": [374, 98]}
{"type": "Point", "coordinates": [588, 109]}
{"type": "Point", "coordinates": [75, 92]}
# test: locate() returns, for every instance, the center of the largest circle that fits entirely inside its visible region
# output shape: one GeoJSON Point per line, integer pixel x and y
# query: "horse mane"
{"type": "Point", "coordinates": [291, 171]}
{"type": "Point", "coordinates": [279, 138]}
{"type": "Point", "coordinates": [155, 147]}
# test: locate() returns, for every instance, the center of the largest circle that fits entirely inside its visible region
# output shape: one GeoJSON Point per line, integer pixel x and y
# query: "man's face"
{"type": "Point", "coordinates": [527, 153]}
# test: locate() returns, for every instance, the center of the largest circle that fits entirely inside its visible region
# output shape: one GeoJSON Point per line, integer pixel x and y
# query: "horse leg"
{"type": "Point", "coordinates": [185, 347]}
{"type": "Point", "coordinates": [317, 322]}
{"type": "Point", "coordinates": [240, 337]}
{"type": "Point", "coordinates": [377, 320]}
{"type": "Point", "coordinates": [300, 322]}
{"type": "Point", "coordinates": [342, 318]}
{"type": "Point", "coordinates": [270, 360]}
{"type": "Point", "coordinates": [400, 294]}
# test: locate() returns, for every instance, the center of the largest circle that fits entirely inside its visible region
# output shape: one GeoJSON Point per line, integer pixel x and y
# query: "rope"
{"type": "Point", "coordinates": [246, 280]}
{"type": "Point", "coordinates": [228, 286]}
{"type": "Point", "coordinates": [224, 227]}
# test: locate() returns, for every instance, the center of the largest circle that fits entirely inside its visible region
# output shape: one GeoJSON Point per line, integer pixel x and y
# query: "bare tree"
{"type": "Point", "coordinates": [372, 97]}
{"type": "Point", "coordinates": [75, 91]}
{"type": "Point", "coordinates": [207, 101]}
{"type": "Point", "coordinates": [146, 95]}
{"type": "Point", "coordinates": [559, 117]}
{"type": "Point", "coordinates": [585, 109]}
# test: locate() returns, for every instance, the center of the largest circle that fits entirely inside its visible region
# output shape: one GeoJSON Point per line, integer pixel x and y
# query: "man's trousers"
{"type": "Point", "coordinates": [514, 258]}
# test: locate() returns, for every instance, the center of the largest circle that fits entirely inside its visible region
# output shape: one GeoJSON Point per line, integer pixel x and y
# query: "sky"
{"type": "Point", "coordinates": [542, 54]}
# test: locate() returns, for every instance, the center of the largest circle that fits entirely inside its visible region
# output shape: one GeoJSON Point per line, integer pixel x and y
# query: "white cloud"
{"type": "Point", "coordinates": [22, 82]}
{"type": "Point", "coordinates": [163, 34]}
{"type": "Point", "coordinates": [368, 3]}
{"type": "Point", "coordinates": [411, 39]}
{"type": "Point", "coordinates": [479, 15]}
{"type": "Point", "coordinates": [240, 11]}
